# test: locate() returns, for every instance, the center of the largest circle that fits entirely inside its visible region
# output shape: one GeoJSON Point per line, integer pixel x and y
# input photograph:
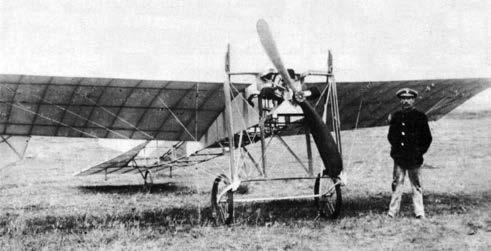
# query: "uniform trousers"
{"type": "Point", "coordinates": [399, 174]}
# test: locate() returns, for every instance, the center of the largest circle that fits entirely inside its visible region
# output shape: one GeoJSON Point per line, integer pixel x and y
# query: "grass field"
{"type": "Point", "coordinates": [43, 206]}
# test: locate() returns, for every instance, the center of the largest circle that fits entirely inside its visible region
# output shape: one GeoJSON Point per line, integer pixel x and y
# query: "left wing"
{"type": "Point", "coordinates": [109, 107]}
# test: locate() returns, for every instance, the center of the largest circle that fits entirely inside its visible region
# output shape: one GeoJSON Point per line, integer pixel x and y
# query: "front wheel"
{"type": "Point", "coordinates": [222, 200]}
{"type": "Point", "coordinates": [330, 202]}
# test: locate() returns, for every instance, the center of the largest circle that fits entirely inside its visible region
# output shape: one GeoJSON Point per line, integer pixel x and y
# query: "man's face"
{"type": "Point", "coordinates": [407, 102]}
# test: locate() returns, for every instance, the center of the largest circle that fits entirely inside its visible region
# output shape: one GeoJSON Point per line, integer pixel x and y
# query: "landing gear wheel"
{"type": "Point", "coordinates": [329, 204]}
{"type": "Point", "coordinates": [222, 200]}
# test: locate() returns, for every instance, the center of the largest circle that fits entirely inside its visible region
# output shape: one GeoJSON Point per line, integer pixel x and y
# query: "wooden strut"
{"type": "Point", "coordinates": [146, 174]}
{"type": "Point", "coordinates": [331, 101]}
{"type": "Point", "coordinates": [279, 198]}
{"type": "Point", "coordinates": [262, 135]}
{"type": "Point", "coordinates": [5, 139]}
{"type": "Point", "coordinates": [292, 153]}
{"type": "Point", "coordinates": [336, 120]}
{"type": "Point", "coordinates": [307, 196]}
{"type": "Point", "coordinates": [284, 178]}
{"type": "Point", "coordinates": [270, 48]}
{"type": "Point", "coordinates": [309, 152]}
{"type": "Point", "coordinates": [228, 118]}
{"type": "Point", "coordinates": [335, 114]}
{"type": "Point", "coordinates": [253, 160]}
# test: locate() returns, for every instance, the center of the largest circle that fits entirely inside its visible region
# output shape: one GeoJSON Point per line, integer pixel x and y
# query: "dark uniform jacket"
{"type": "Point", "coordinates": [410, 137]}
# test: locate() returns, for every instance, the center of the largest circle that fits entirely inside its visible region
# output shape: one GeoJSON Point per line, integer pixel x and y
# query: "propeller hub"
{"type": "Point", "coordinates": [301, 96]}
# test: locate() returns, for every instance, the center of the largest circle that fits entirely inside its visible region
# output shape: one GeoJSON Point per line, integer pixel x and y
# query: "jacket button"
{"type": "Point", "coordinates": [403, 123]}
{"type": "Point", "coordinates": [403, 133]}
{"type": "Point", "coordinates": [402, 143]}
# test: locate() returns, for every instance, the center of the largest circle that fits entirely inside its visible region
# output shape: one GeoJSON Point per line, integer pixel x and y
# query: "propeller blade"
{"type": "Point", "coordinates": [270, 47]}
{"type": "Point", "coordinates": [324, 141]}
{"type": "Point", "coordinates": [329, 63]}
{"type": "Point", "coordinates": [326, 145]}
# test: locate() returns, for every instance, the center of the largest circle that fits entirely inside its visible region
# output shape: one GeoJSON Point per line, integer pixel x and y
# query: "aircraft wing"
{"type": "Point", "coordinates": [109, 107]}
{"type": "Point", "coordinates": [368, 104]}
{"type": "Point", "coordinates": [372, 102]}
{"type": "Point", "coordinates": [118, 164]}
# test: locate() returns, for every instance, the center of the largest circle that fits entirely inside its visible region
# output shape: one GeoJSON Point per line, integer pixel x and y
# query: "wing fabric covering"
{"type": "Point", "coordinates": [368, 104]}
{"type": "Point", "coordinates": [109, 107]}
{"type": "Point", "coordinates": [119, 164]}
{"type": "Point", "coordinates": [436, 98]}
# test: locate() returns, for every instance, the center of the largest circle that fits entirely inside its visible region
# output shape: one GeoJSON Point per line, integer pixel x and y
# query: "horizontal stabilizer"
{"type": "Point", "coordinates": [119, 164]}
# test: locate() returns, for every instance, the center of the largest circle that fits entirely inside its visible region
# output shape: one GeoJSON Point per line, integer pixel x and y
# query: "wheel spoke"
{"type": "Point", "coordinates": [329, 207]}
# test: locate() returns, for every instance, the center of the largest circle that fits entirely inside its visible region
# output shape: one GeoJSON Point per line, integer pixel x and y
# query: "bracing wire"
{"type": "Point", "coordinates": [355, 134]}
{"type": "Point", "coordinates": [177, 119]}
{"type": "Point", "coordinates": [74, 114]}
{"type": "Point", "coordinates": [118, 117]}
{"type": "Point", "coordinates": [52, 120]}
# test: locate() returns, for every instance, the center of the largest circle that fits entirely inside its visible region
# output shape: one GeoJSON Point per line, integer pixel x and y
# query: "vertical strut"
{"type": "Point", "coordinates": [228, 116]}
{"type": "Point", "coordinates": [336, 122]}
{"type": "Point", "coordinates": [261, 131]}
{"type": "Point", "coordinates": [309, 152]}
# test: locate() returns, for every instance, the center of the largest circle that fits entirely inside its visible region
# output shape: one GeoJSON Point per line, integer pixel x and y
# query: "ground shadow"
{"type": "Point", "coordinates": [161, 188]}
{"type": "Point", "coordinates": [298, 212]}
{"type": "Point", "coordinates": [435, 204]}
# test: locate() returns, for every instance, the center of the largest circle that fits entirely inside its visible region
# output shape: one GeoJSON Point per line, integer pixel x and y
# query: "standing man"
{"type": "Point", "coordinates": [410, 137]}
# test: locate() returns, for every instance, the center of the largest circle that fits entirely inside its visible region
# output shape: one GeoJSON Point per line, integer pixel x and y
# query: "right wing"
{"type": "Point", "coordinates": [368, 104]}
{"type": "Point", "coordinates": [436, 98]}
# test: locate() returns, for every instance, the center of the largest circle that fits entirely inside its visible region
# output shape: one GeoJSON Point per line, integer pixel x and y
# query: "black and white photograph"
{"type": "Point", "coordinates": [245, 125]}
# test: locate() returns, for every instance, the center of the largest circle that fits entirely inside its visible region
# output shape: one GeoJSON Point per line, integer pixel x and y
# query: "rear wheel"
{"type": "Point", "coordinates": [329, 204]}
{"type": "Point", "coordinates": [222, 200]}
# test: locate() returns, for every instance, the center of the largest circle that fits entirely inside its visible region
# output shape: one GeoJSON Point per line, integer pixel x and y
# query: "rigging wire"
{"type": "Point", "coordinates": [177, 119]}
{"type": "Point", "coordinates": [118, 117]}
{"type": "Point", "coordinates": [75, 114]}
{"type": "Point", "coordinates": [355, 134]}
{"type": "Point", "coordinates": [52, 120]}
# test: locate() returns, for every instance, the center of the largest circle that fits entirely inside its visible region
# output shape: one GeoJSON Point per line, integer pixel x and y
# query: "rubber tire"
{"type": "Point", "coordinates": [222, 215]}
{"type": "Point", "coordinates": [321, 205]}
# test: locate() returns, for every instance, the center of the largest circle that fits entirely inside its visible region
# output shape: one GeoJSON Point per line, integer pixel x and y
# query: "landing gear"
{"type": "Point", "coordinates": [222, 200]}
{"type": "Point", "coordinates": [329, 204]}
{"type": "Point", "coordinates": [327, 191]}
{"type": "Point", "coordinates": [147, 179]}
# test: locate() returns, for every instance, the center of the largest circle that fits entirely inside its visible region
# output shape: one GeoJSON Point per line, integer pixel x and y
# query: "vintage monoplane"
{"type": "Point", "coordinates": [224, 117]}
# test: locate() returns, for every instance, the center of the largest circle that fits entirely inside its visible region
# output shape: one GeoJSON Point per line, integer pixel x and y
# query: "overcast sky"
{"type": "Point", "coordinates": [186, 40]}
